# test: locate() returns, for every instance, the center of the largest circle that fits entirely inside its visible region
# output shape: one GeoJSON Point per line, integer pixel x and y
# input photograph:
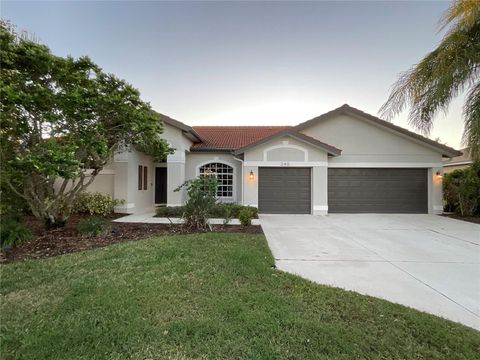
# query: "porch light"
{"type": "Point", "coordinates": [252, 175]}
{"type": "Point", "coordinates": [439, 174]}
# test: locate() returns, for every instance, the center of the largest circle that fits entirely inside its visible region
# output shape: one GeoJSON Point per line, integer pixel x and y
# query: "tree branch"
{"type": "Point", "coordinates": [15, 190]}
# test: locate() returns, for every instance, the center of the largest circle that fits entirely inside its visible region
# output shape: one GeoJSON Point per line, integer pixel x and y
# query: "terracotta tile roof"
{"type": "Point", "coordinates": [232, 137]}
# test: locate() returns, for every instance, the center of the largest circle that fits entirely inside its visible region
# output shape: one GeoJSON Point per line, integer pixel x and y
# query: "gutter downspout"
{"type": "Point", "coordinates": [243, 181]}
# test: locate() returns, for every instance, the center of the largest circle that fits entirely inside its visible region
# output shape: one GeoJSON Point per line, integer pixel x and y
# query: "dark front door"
{"type": "Point", "coordinates": [284, 190]}
{"type": "Point", "coordinates": [160, 185]}
{"type": "Point", "coordinates": [361, 190]}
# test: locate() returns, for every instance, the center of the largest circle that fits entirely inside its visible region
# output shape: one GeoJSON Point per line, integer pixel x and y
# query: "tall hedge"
{"type": "Point", "coordinates": [461, 191]}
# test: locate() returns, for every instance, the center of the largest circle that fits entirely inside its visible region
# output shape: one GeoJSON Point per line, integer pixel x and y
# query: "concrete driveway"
{"type": "Point", "coordinates": [427, 262]}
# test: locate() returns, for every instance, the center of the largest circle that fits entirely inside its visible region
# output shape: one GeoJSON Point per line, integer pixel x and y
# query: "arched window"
{"type": "Point", "coordinates": [224, 174]}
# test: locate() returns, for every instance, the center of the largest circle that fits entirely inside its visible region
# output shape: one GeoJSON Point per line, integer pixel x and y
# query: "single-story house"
{"type": "Point", "coordinates": [458, 162]}
{"type": "Point", "coordinates": [344, 161]}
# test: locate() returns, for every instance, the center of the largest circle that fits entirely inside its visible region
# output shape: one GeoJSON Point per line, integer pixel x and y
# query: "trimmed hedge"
{"type": "Point", "coordinates": [221, 210]}
{"type": "Point", "coordinates": [170, 211]}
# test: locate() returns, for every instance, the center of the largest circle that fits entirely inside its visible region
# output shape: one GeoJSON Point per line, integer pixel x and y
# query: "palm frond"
{"type": "Point", "coordinates": [461, 13]}
{"type": "Point", "coordinates": [428, 87]}
{"type": "Point", "coordinates": [471, 112]}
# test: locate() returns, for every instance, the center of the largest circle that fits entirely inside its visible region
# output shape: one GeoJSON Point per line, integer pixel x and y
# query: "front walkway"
{"type": "Point", "coordinates": [427, 262]}
{"type": "Point", "coordinates": [149, 218]}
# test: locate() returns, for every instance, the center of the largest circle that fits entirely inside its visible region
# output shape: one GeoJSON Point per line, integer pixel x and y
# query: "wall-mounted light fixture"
{"type": "Point", "coordinates": [439, 174]}
{"type": "Point", "coordinates": [252, 175]}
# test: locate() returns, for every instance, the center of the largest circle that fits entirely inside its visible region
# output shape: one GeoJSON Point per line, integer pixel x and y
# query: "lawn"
{"type": "Point", "coordinates": [203, 296]}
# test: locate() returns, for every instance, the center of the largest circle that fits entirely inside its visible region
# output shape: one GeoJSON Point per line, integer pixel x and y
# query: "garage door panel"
{"type": "Point", "coordinates": [368, 190]}
{"type": "Point", "coordinates": [284, 190]}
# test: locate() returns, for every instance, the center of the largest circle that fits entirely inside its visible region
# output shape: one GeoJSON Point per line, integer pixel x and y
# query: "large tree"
{"type": "Point", "coordinates": [449, 70]}
{"type": "Point", "coordinates": [63, 118]}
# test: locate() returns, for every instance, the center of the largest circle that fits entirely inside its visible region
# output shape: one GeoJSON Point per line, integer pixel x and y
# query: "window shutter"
{"type": "Point", "coordinates": [140, 173]}
{"type": "Point", "coordinates": [145, 177]}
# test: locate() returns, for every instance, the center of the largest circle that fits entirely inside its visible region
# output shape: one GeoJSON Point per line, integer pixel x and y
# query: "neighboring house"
{"type": "Point", "coordinates": [458, 162]}
{"type": "Point", "coordinates": [344, 161]}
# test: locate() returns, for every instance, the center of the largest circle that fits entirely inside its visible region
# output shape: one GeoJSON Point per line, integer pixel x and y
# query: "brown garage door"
{"type": "Point", "coordinates": [377, 190]}
{"type": "Point", "coordinates": [284, 190]}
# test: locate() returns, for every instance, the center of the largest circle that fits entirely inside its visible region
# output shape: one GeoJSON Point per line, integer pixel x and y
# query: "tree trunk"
{"type": "Point", "coordinates": [52, 223]}
{"type": "Point", "coordinates": [53, 207]}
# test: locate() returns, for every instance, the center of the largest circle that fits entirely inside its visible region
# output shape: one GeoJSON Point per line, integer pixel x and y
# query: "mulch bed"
{"type": "Point", "coordinates": [67, 240]}
{"type": "Point", "coordinates": [472, 219]}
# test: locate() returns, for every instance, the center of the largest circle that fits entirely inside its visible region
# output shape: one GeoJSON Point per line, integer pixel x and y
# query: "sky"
{"type": "Point", "coordinates": [248, 63]}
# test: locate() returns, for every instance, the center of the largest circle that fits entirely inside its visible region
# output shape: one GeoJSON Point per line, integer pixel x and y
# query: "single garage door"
{"type": "Point", "coordinates": [284, 190]}
{"type": "Point", "coordinates": [377, 190]}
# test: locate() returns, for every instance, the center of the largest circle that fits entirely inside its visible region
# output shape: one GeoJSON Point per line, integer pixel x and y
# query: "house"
{"type": "Point", "coordinates": [344, 161]}
{"type": "Point", "coordinates": [458, 162]}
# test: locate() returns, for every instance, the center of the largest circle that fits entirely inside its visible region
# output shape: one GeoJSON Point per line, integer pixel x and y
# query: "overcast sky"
{"type": "Point", "coordinates": [225, 63]}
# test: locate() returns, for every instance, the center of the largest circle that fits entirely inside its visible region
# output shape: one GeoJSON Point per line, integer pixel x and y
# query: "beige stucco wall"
{"type": "Point", "coordinates": [287, 152]}
{"type": "Point", "coordinates": [285, 149]}
{"type": "Point", "coordinates": [126, 182]}
{"type": "Point", "coordinates": [195, 160]}
{"type": "Point", "coordinates": [176, 164]}
{"type": "Point", "coordinates": [450, 168]}
{"type": "Point", "coordinates": [103, 183]}
{"type": "Point", "coordinates": [143, 199]}
{"type": "Point", "coordinates": [365, 144]}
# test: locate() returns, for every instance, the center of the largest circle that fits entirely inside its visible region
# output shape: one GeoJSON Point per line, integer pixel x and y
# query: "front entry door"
{"type": "Point", "coordinates": [160, 185]}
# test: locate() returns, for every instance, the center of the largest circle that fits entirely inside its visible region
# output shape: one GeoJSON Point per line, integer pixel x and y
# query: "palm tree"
{"type": "Point", "coordinates": [449, 70]}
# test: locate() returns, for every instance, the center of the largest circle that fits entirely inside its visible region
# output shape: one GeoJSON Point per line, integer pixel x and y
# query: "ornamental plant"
{"type": "Point", "coordinates": [96, 204]}
{"type": "Point", "coordinates": [201, 199]}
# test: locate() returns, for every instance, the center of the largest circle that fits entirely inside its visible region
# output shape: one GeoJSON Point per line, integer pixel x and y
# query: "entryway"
{"type": "Point", "coordinates": [160, 185]}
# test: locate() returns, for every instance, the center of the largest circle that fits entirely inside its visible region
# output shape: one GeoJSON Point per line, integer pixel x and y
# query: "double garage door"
{"type": "Point", "coordinates": [353, 190]}
{"type": "Point", "coordinates": [377, 190]}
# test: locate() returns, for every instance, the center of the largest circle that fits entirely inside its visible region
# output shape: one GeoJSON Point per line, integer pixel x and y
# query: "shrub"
{"type": "Point", "coordinates": [94, 226]}
{"type": "Point", "coordinates": [253, 211]}
{"type": "Point", "coordinates": [96, 204]}
{"type": "Point", "coordinates": [13, 233]}
{"type": "Point", "coordinates": [225, 209]}
{"type": "Point", "coordinates": [219, 210]}
{"type": "Point", "coordinates": [461, 190]}
{"type": "Point", "coordinates": [201, 200]}
{"type": "Point", "coordinates": [227, 213]}
{"type": "Point", "coordinates": [170, 211]}
{"type": "Point", "coordinates": [246, 215]}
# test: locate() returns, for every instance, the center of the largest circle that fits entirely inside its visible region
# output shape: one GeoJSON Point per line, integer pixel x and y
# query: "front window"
{"type": "Point", "coordinates": [224, 174]}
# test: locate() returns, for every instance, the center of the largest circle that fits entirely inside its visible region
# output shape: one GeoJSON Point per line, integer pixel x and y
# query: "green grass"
{"type": "Point", "coordinates": [203, 296]}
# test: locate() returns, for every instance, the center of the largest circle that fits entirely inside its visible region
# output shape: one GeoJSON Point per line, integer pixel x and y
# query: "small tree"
{"type": "Point", "coordinates": [60, 117]}
{"type": "Point", "coordinates": [201, 200]}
